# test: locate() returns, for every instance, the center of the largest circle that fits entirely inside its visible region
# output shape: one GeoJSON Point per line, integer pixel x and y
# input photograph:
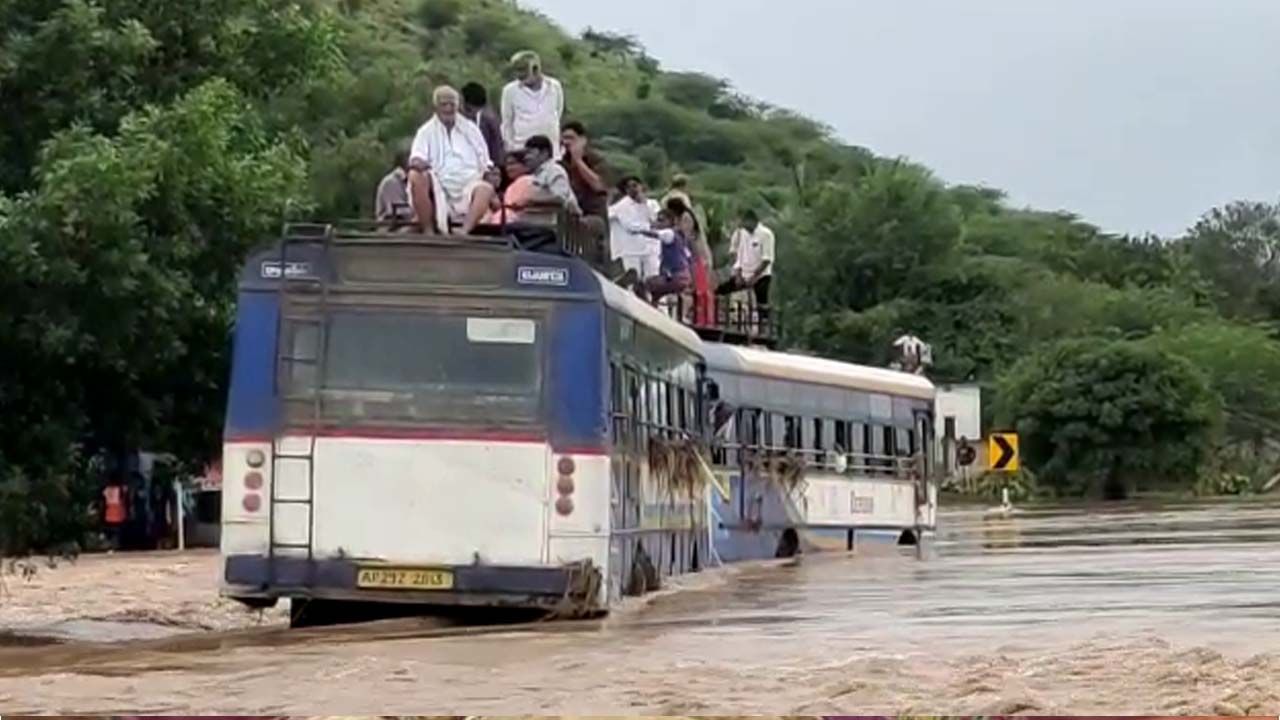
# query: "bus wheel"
{"type": "Point", "coordinates": [309, 612]}
{"type": "Point", "coordinates": [644, 576]}
{"type": "Point", "coordinates": [257, 603]}
{"type": "Point", "coordinates": [907, 538]}
{"type": "Point", "coordinates": [788, 544]}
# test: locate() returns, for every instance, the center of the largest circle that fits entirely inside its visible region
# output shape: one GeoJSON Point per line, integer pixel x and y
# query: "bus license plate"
{"type": "Point", "coordinates": [404, 579]}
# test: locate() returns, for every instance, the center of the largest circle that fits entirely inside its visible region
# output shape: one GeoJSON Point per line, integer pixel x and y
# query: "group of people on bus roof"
{"type": "Point", "coordinates": [469, 166]}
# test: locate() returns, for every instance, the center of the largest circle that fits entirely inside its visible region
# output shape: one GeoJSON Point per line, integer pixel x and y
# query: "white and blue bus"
{"type": "Point", "coordinates": [461, 422]}
{"type": "Point", "coordinates": [817, 454]}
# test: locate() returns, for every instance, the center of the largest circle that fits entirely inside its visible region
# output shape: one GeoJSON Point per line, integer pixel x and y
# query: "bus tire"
{"type": "Point", "coordinates": [644, 576]}
{"type": "Point", "coordinates": [788, 544]}
{"type": "Point", "coordinates": [257, 603]}
{"type": "Point", "coordinates": [310, 612]}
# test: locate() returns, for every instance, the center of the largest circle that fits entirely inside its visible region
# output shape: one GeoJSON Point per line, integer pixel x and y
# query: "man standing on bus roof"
{"type": "Point", "coordinates": [753, 249]}
{"type": "Point", "coordinates": [475, 107]}
{"type": "Point", "coordinates": [532, 104]}
{"type": "Point", "coordinates": [447, 168]}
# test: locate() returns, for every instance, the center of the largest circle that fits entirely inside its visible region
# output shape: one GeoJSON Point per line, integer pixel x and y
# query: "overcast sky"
{"type": "Point", "coordinates": [1138, 115]}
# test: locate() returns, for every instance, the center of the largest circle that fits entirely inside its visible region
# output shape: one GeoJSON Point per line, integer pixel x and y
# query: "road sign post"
{"type": "Point", "coordinates": [1002, 452]}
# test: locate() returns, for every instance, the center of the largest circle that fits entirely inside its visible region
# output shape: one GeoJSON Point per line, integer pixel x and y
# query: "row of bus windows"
{"type": "Point", "coordinates": [644, 405]}
{"type": "Point", "coordinates": [760, 429]}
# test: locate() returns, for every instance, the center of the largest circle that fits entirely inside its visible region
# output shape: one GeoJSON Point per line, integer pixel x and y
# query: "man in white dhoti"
{"type": "Point", "coordinates": [447, 168]}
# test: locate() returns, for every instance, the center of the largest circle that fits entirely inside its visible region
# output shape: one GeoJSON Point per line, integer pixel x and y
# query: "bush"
{"type": "Point", "coordinates": [439, 14]}
{"type": "Point", "coordinates": [1110, 418]}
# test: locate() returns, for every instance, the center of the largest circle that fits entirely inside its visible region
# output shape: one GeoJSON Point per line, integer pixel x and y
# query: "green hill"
{"type": "Point", "coordinates": [154, 143]}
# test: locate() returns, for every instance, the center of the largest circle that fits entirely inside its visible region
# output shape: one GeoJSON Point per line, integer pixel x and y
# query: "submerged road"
{"type": "Point", "coordinates": [1130, 608]}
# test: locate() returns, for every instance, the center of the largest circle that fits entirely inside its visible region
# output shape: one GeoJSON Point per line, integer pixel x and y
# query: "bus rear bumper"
{"type": "Point", "coordinates": [256, 577]}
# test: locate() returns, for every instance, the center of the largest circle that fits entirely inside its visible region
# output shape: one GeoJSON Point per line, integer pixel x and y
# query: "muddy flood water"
{"type": "Point", "coordinates": [1131, 608]}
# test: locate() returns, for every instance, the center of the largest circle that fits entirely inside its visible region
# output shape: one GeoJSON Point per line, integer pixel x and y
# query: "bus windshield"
{"type": "Point", "coordinates": [405, 366]}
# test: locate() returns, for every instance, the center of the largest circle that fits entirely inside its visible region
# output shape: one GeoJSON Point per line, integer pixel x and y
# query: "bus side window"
{"type": "Point", "coordinates": [754, 431]}
{"type": "Point", "coordinates": [842, 436]}
{"type": "Point", "coordinates": [633, 423]}
{"type": "Point", "coordinates": [617, 405]}
{"type": "Point", "coordinates": [795, 431]}
{"type": "Point", "coordinates": [890, 449]}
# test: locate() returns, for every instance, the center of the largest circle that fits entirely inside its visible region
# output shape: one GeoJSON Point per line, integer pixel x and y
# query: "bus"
{"type": "Point", "coordinates": [462, 422]}
{"type": "Point", "coordinates": [818, 454]}
{"type": "Point", "coordinates": [451, 422]}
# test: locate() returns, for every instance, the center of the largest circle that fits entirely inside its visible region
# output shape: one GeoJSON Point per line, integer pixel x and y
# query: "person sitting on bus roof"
{"type": "Point", "coordinates": [391, 203]}
{"type": "Point", "coordinates": [532, 104]}
{"type": "Point", "coordinates": [630, 218]}
{"type": "Point", "coordinates": [447, 168]}
{"type": "Point", "coordinates": [517, 194]}
{"type": "Point", "coordinates": [475, 107]}
{"type": "Point", "coordinates": [550, 179]}
{"type": "Point", "coordinates": [673, 275]}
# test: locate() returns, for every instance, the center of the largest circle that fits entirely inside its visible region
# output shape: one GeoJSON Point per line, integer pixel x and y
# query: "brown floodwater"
{"type": "Point", "coordinates": [1160, 608]}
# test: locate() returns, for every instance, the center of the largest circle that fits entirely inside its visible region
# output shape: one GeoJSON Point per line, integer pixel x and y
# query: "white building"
{"type": "Point", "coordinates": [957, 413]}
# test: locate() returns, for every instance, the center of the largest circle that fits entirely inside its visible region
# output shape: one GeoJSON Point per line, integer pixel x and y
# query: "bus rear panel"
{"type": "Point", "coordinates": [442, 447]}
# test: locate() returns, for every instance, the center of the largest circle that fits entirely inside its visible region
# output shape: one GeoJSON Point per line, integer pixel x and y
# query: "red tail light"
{"type": "Point", "coordinates": [253, 480]}
{"type": "Point", "coordinates": [564, 485]}
{"type": "Point", "coordinates": [252, 502]}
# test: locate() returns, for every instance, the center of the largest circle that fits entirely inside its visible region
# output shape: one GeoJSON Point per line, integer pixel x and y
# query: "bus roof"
{"type": "Point", "coordinates": [633, 307]}
{"type": "Point", "coordinates": [806, 369]}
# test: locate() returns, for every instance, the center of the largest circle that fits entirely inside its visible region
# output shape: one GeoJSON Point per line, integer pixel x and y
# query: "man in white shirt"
{"type": "Point", "coordinates": [752, 246]}
{"type": "Point", "coordinates": [532, 104]}
{"type": "Point", "coordinates": [630, 219]}
{"type": "Point", "coordinates": [447, 167]}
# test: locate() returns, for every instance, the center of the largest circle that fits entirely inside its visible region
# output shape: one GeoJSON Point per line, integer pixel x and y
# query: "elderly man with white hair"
{"type": "Point", "coordinates": [448, 164]}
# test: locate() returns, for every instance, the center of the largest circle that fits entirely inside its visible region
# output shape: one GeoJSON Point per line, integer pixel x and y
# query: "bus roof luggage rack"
{"type": "Point", "coordinates": [541, 228]}
{"type": "Point", "coordinates": [734, 323]}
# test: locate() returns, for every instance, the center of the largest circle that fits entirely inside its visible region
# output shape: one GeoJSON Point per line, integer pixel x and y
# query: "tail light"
{"type": "Point", "coordinates": [564, 485]}
{"type": "Point", "coordinates": [253, 483]}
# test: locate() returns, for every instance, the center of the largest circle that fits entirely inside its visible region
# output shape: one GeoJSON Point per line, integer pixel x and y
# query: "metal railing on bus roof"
{"type": "Point", "coordinates": [543, 227]}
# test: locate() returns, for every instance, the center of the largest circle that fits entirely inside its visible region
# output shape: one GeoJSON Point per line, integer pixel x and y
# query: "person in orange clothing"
{"type": "Point", "coordinates": [114, 513]}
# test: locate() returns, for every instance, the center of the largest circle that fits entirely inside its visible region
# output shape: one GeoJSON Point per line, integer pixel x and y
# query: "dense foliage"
{"type": "Point", "coordinates": [149, 145]}
{"type": "Point", "coordinates": [1109, 416]}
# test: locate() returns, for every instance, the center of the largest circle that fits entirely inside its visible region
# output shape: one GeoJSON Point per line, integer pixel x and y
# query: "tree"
{"type": "Point", "coordinates": [859, 248]}
{"type": "Point", "coordinates": [1109, 417]}
{"type": "Point", "coordinates": [91, 63]}
{"type": "Point", "coordinates": [1242, 364]}
{"type": "Point", "coordinates": [1237, 248]}
{"type": "Point", "coordinates": [136, 170]}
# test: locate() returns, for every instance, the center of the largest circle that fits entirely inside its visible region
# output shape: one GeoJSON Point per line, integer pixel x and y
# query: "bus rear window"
{"type": "Point", "coordinates": [427, 366]}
